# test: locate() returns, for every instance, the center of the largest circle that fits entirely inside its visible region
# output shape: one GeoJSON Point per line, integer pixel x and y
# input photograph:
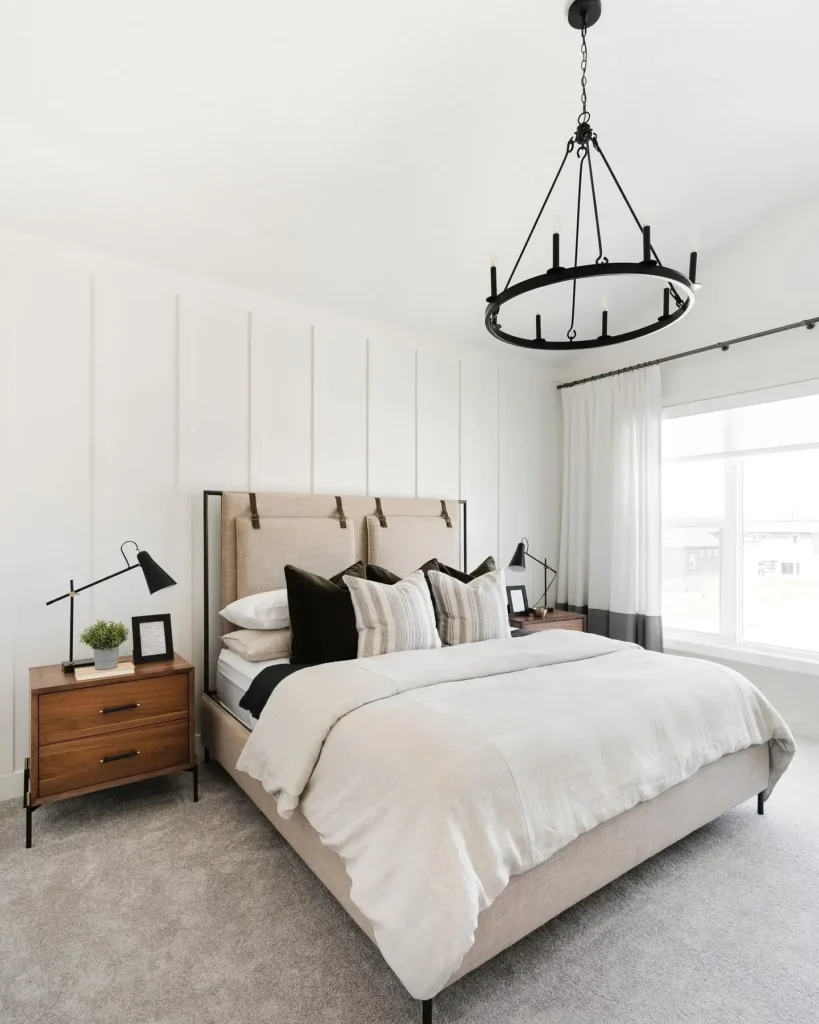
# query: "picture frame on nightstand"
{"type": "Point", "coordinates": [153, 638]}
{"type": "Point", "coordinates": [517, 600]}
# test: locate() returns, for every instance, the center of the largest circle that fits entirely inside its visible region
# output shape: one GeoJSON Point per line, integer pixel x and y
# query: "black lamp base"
{"type": "Point", "coordinates": [69, 666]}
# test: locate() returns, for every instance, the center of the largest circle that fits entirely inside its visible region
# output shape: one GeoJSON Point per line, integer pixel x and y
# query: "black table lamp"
{"type": "Point", "coordinates": [518, 564]}
{"type": "Point", "coordinates": [155, 577]}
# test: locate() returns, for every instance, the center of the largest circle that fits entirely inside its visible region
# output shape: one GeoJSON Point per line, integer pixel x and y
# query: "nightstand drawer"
{"type": "Point", "coordinates": [97, 760]}
{"type": "Point", "coordinates": [111, 707]}
{"type": "Point", "coordinates": [567, 624]}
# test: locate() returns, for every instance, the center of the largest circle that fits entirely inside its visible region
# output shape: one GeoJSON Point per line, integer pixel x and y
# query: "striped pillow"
{"type": "Point", "coordinates": [468, 612]}
{"type": "Point", "coordinates": [397, 617]}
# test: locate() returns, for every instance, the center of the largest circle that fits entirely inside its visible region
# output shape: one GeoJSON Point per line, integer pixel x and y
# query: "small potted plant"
{"type": "Point", "coordinates": [105, 638]}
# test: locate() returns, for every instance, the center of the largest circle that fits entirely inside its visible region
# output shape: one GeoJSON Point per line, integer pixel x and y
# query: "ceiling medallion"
{"type": "Point", "coordinates": [678, 290]}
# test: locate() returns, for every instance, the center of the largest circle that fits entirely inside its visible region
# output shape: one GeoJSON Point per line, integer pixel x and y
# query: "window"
{"type": "Point", "coordinates": [741, 525]}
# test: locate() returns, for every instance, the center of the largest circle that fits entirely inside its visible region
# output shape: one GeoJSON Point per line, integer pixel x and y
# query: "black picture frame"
{"type": "Point", "coordinates": [513, 599]}
{"type": "Point", "coordinates": [167, 654]}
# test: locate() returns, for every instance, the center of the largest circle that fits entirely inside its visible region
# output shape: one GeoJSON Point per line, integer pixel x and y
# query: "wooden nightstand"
{"type": "Point", "coordinates": [95, 734]}
{"type": "Point", "coordinates": [554, 620]}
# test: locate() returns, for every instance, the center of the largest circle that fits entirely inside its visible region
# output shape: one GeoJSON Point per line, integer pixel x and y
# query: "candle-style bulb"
{"type": "Point", "coordinates": [692, 268]}
{"type": "Point", "coordinates": [647, 244]}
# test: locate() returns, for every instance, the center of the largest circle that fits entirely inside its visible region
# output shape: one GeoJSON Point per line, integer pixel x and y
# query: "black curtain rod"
{"type": "Point", "coordinates": [724, 345]}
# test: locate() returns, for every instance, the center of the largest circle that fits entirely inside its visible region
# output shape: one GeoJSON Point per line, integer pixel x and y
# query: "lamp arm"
{"type": "Point", "coordinates": [87, 586]}
{"type": "Point", "coordinates": [544, 564]}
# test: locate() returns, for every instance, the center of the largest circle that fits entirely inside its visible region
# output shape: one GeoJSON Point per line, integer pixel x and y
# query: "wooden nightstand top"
{"type": "Point", "coordinates": [46, 678]}
{"type": "Point", "coordinates": [554, 620]}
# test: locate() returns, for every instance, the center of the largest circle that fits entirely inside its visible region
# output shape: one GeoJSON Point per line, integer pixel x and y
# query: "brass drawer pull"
{"type": "Point", "coordinates": [118, 757]}
{"type": "Point", "coordinates": [119, 707]}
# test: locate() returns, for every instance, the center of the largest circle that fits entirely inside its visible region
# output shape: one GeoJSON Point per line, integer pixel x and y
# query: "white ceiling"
{"type": "Point", "coordinates": [373, 156]}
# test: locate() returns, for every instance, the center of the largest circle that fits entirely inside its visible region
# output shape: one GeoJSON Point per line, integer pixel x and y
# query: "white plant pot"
{"type": "Point", "coordinates": [106, 659]}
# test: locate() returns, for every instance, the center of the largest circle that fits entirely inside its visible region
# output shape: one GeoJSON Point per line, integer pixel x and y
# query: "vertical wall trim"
{"type": "Point", "coordinates": [312, 410]}
{"type": "Point", "coordinates": [460, 434]}
{"type": "Point", "coordinates": [249, 399]}
{"type": "Point", "coordinates": [177, 419]}
{"type": "Point", "coordinates": [415, 403]}
{"type": "Point", "coordinates": [367, 417]}
{"type": "Point", "coordinates": [500, 419]}
{"type": "Point", "coordinates": [92, 427]}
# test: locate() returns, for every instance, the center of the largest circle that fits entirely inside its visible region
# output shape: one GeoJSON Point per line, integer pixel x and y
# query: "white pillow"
{"type": "Point", "coordinates": [268, 610]}
{"type": "Point", "coordinates": [259, 644]}
{"type": "Point", "coordinates": [468, 612]}
{"type": "Point", "coordinates": [393, 617]}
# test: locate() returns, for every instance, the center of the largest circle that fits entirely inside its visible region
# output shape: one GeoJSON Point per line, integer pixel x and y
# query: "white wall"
{"type": "Point", "coordinates": [767, 277]}
{"type": "Point", "coordinates": [125, 391]}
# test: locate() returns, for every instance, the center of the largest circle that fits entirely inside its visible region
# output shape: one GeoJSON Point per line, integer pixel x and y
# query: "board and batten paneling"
{"type": "Point", "coordinates": [52, 480]}
{"type": "Point", "coordinates": [480, 456]}
{"type": "Point", "coordinates": [437, 425]}
{"type": "Point", "coordinates": [128, 390]}
{"type": "Point", "coordinates": [214, 344]}
{"type": "Point", "coordinates": [8, 418]}
{"type": "Point", "coordinates": [281, 403]}
{"type": "Point", "coordinates": [136, 469]}
{"type": "Point", "coordinates": [390, 418]}
{"type": "Point", "coordinates": [339, 409]}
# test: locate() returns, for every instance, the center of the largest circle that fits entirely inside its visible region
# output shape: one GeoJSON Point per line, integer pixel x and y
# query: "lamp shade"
{"type": "Point", "coordinates": [155, 576]}
{"type": "Point", "coordinates": [518, 563]}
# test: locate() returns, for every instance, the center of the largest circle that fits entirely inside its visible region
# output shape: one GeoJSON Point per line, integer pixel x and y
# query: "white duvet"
{"type": "Point", "coordinates": [437, 775]}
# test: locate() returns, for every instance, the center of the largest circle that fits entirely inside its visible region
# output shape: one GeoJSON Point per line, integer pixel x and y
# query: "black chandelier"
{"type": "Point", "coordinates": [678, 289]}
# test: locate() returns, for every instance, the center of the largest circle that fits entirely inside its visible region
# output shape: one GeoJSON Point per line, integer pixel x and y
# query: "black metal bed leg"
{"type": "Point", "coordinates": [195, 771]}
{"type": "Point", "coordinates": [207, 755]}
{"type": "Point", "coordinates": [760, 804]}
{"type": "Point", "coordinates": [426, 1011]}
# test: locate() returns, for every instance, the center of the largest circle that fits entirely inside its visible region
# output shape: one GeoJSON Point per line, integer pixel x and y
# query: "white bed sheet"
{"type": "Point", "coordinates": [234, 675]}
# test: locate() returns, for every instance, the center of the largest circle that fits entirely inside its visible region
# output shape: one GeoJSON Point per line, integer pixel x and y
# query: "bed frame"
{"type": "Point", "coordinates": [532, 899]}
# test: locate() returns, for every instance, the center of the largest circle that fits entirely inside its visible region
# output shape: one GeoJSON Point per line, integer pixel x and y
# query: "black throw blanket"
{"type": "Point", "coordinates": [258, 693]}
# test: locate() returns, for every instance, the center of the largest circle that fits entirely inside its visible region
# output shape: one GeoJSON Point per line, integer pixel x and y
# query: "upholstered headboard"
{"type": "Point", "coordinates": [260, 533]}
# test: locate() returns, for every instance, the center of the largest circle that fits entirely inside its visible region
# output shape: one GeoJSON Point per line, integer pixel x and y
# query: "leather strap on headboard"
{"type": "Point", "coordinates": [341, 517]}
{"type": "Point", "coordinates": [254, 511]}
{"type": "Point", "coordinates": [382, 519]}
{"type": "Point", "coordinates": [445, 514]}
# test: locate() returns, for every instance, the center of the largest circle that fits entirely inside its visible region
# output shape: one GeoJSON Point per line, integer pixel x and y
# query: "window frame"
{"type": "Point", "coordinates": [727, 641]}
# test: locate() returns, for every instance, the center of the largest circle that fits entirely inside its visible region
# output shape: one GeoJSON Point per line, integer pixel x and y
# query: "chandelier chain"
{"type": "Point", "coordinates": [584, 63]}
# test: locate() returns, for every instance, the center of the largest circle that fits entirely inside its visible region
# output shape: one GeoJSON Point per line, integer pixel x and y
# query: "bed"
{"type": "Point", "coordinates": [302, 529]}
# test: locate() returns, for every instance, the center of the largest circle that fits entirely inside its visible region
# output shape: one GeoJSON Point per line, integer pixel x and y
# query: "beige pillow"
{"type": "Point", "coordinates": [259, 644]}
{"type": "Point", "coordinates": [470, 612]}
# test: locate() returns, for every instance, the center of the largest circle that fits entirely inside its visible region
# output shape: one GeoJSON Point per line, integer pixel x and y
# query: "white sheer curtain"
{"type": "Point", "coordinates": [610, 545]}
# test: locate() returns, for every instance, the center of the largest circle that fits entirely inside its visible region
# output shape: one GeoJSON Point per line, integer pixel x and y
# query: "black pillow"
{"type": "Point", "coordinates": [487, 565]}
{"type": "Point", "coordinates": [380, 575]}
{"type": "Point", "coordinates": [322, 616]}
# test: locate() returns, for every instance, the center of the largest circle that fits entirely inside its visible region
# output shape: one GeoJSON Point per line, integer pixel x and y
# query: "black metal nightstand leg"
{"type": "Point", "coordinates": [207, 755]}
{"type": "Point", "coordinates": [196, 783]}
{"type": "Point", "coordinates": [29, 812]}
{"type": "Point", "coordinates": [26, 781]}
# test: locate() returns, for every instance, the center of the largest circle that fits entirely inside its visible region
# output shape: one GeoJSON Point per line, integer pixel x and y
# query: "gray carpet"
{"type": "Point", "coordinates": [137, 905]}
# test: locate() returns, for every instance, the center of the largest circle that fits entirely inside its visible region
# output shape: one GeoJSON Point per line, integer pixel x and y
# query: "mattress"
{"type": "Point", "coordinates": [234, 675]}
